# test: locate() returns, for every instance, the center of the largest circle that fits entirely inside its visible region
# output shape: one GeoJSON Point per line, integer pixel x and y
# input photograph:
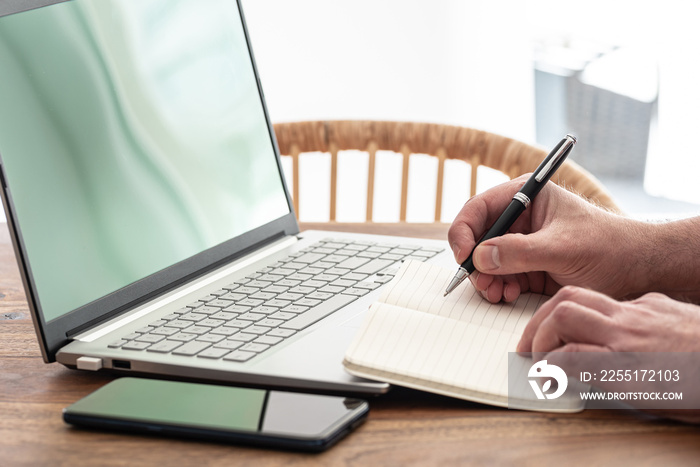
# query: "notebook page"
{"type": "Point", "coordinates": [421, 286]}
{"type": "Point", "coordinates": [433, 351]}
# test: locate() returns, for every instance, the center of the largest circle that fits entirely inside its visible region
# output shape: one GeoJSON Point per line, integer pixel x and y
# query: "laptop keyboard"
{"type": "Point", "coordinates": [253, 314]}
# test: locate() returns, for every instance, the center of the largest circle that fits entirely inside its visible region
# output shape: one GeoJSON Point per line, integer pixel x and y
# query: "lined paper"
{"type": "Point", "coordinates": [456, 345]}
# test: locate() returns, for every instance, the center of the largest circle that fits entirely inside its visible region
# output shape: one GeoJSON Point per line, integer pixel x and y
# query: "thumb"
{"type": "Point", "coordinates": [514, 254]}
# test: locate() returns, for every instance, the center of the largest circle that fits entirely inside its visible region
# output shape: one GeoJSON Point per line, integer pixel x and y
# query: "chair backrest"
{"type": "Point", "coordinates": [476, 147]}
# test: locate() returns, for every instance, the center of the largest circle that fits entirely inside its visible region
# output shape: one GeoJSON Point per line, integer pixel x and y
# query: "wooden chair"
{"type": "Point", "coordinates": [477, 148]}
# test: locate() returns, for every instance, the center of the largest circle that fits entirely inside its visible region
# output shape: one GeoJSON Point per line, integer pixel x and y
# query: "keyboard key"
{"type": "Point", "coordinates": [236, 323]}
{"type": "Point", "coordinates": [391, 256]}
{"type": "Point", "coordinates": [325, 277]}
{"type": "Point", "coordinates": [283, 271]}
{"type": "Point", "coordinates": [342, 283]}
{"type": "Point", "coordinates": [220, 303]}
{"type": "Point", "coordinates": [367, 285]}
{"type": "Point", "coordinates": [157, 324]}
{"type": "Point", "coordinates": [334, 258]}
{"type": "Point", "coordinates": [233, 296]}
{"type": "Point", "coordinates": [266, 310]}
{"type": "Point", "coordinates": [263, 295]}
{"type": "Point", "coordinates": [224, 315]}
{"type": "Point", "coordinates": [151, 338]}
{"type": "Point", "coordinates": [145, 329]}
{"type": "Point", "coordinates": [378, 249]}
{"type": "Point", "coordinates": [356, 292]}
{"type": "Point", "coordinates": [224, 331]}
{"type": "Point", "coordinates": [211, 323]}
{"type": "Point", "coordinates": [300, 289]}
{"type": "Point", "coordinates": [314, 284]}
{"type": "Point", "coordinates": [313, 270]}
{"type": "Point", "coordinates": [356, 247]}
{"type": "Point", "coordinates": [246, 290]}
{"type": "Point", "coordinates": [275, 289]}
{"type": "Point", "coordinates": [132, 336]}
{"type": "Point", "coordinates": [213, 353]}
{"type": "Point", "coordinates": [289, 283]}
{"type": "Point", "coordinates": [196, 329]}
{"type": "Point", "coordinates": [251, 302]}
{"type": "Point", "coordinates": [374, 266]}
{"type": "Point", "coordinates": [401, 251]}
{"type": "Point", "coordinates": [318, 312]}
{"type": "Point", "coordinates": [281, 332]}
{"type": "Point", "coordinates": [368, 254]}
{"type": "Point", "coordinates": [252, 347]}
{"type": "Point", "coordinates": [207, 310]}
{"type": "Point", "coordinates": [272, 278]}
{"type": "Point", "coordinates": [237, 309]}
{"type": "Point", "coordinates": [183, 337]}
{"type": "Point", "coordinates": [259, 284]}
{"type": "Point", "coordinates": [269, 322]}
{"type": "Point", "coordinates": [239, 356]}
{"type": "Point", "coordinates": [257, 329]}
{"type": "Point", "coordinates": [251, 316]}
{"type": "Point", "coordinates": [295, 309]}
{"type": "Point", "coordinates": [191, 348]}
{"type": "Point", "coordinates": [277, 303]}
{"type": "Point", "coordinates": [133, 345]}
{"type": "Point", "coordinates": [193, 316]}
{"type": "Point", "coordinates": [352, 263]}
{"type": "Point", "coordinates": [212, 338]}
{"type": "Point", "coordinates": [298, 277]}
{"type": "Point", "coordinates": [306, 302]}
{"type": "Point", "coordinates": [283, 315]}
{"type": "Point", "coordinates": [230, 345]}
{"type": "Point", "coordinates": [244, 337]}
{"type": "Point", "coordinates": [331, 289]}
{"type": "Point", "coordinates": [309, 258]}
{"type": "Point", "coordinates": [319, 295]}
{"type": "Point", "coordinates": [117, 344]}
{"type": "Point", "coordinates": [165, 346]}
{"type": "Point", "coordinates": [426, 254]}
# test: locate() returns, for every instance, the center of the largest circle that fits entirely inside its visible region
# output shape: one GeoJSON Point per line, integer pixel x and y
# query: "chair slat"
{"type": "Point", "coordinates": [404, 182]}
{"type": "Point", "coordinates": [334, 180]}
{"type": "Point", "coordinates": [372, 149]}
{"type": "Point", "coordinates": [441, 155]}
{"type": "Point", "coordinates": [475, 162]}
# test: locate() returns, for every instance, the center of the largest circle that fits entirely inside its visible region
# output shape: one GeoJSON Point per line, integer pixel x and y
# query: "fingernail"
{"type": "Point", "coordinates": [487, 258]}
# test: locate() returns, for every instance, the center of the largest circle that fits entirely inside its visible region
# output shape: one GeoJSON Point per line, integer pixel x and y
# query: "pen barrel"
{"type": "Point", "coordinates": [500, 227]}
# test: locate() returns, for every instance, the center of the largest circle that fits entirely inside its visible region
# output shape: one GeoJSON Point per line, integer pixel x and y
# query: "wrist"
{"type": "Point", "coordinates": [668, 259]}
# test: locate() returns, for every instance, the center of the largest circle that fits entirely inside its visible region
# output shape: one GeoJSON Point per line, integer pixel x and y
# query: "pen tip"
{"type": "Point", "coordinates": [445, 294]}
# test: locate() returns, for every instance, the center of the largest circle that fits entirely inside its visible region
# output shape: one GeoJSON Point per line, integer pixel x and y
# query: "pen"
{"type": "Point", "coordinates": [520, 202]}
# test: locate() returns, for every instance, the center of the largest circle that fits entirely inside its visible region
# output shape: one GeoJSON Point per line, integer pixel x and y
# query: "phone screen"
{"type": "Point", "coordinates": [221, 412]}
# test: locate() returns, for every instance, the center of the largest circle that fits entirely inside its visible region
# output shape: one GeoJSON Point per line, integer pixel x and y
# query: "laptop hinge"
{"type": "Point", "coordinates": [197, 284]}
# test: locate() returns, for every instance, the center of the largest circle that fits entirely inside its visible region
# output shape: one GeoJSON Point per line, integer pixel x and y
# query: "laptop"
{"type": "Point", "coordinates": [148, 208]}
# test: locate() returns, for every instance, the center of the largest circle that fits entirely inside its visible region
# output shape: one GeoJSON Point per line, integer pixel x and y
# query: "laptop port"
{"type": "Point", "coordinates": [121, 364]}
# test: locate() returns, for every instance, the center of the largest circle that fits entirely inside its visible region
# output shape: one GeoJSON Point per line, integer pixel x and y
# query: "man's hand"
{"type": "Point", "coordinates": [578, 330]}
{"type": "Point", "coordinates": [577, 319]}
{"type": "Point", "coordinates": [561, 239]}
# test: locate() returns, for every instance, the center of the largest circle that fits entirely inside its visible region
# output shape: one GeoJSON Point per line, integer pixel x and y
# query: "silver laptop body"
{"type": "Point", "coordinates": [143, 188]}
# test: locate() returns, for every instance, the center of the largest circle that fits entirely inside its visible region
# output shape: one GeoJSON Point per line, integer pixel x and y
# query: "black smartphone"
{"type": "Point", "coordinates": [255, 417]}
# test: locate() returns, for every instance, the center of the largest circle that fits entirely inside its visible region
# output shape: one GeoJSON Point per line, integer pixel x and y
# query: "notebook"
{"type": "Point", "coordinates": [459, 346]}
{"type": "Point", "coordinates": [148, 208]}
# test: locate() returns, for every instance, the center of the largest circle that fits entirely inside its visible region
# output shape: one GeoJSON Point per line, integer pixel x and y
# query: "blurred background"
{"type": "Point", "coordinates": [619, 74]}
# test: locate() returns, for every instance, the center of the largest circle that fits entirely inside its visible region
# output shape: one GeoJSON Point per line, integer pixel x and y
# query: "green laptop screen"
{"type": "Point", "coordinates": [133, 136]}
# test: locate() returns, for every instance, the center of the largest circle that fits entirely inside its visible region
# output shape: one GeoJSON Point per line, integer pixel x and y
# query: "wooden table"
{"type": "Point", "coordinates": [404, 428]}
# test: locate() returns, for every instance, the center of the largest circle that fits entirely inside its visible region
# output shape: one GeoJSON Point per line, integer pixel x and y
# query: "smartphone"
{"type": "Point", "coordinates": [255, 417]}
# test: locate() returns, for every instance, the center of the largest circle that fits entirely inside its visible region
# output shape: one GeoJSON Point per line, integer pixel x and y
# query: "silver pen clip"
{"type": "Point", "coordinates": [568, 143]}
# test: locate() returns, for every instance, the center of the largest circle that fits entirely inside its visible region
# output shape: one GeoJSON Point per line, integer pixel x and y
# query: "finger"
{"type": "Point", "coordinates": [477, 215]}
{"type": "Point", "coordinates": [515, 253]}
{"type": "Point", "coordinates": [571, 322]}
{"type": "Point", "coordinates": [585, 297]}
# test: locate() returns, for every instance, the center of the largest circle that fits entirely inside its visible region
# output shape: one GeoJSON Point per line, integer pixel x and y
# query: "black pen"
{"type": "Point", "coordinates": [520, 202]}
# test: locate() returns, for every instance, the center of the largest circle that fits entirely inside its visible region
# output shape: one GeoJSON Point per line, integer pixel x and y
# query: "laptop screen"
{"type": "Point", "coordinates": [133, 136]}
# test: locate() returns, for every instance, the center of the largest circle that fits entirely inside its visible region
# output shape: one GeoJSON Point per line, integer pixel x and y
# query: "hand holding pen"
{"type": "Point", "coordinates": [520, 202]}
